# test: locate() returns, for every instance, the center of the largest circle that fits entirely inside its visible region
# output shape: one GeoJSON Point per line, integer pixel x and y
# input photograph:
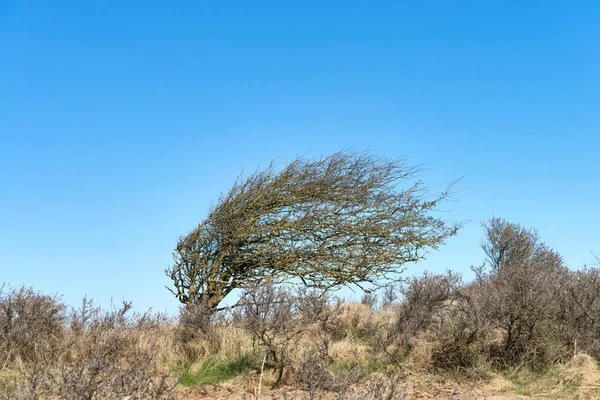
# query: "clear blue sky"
{"type": "Point", "coordinates": [120, 122]}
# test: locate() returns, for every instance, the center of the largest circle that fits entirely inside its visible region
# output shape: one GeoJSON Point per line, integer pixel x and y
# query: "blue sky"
{"type": "Point", "coordinates": [120, 122]}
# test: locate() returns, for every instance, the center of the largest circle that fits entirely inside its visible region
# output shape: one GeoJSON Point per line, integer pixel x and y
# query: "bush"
{"type": "Point", "coordinates": [32, 325]}
{"type": "Point", "coordinates": [106, 355]}
{"type": "Point", "coordinates": [581, 315]}
{"type": "Point", "coordinates": [435, 307]}
{"type": "Point", "coordinates": [381, 388]}
{"type": "Point", "coordinates": [522, 302]}
{"type": "Point", "coordinates": [313, 375]}
{"type": "Point", "coordinates": [279, 318]}
{"type": "Point", "coordinates": [524, 312]}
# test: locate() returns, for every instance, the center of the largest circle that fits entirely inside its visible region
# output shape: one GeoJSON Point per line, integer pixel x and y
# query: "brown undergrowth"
{"type": "Point", "coordinates": [433, 343]}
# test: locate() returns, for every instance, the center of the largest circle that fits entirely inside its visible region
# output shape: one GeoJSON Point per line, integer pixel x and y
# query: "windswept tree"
{"type": "Point", "coordinates": [346, 219]}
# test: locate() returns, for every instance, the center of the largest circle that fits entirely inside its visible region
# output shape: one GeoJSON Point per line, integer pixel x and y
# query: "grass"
{"type": "Point", "coordinates": [544, 382]}
{"type": "Point", "coordinates": [215, 370]}
{"type": "Point", "coordinates": [370, 366]}
{"type": "Point", "coordinates": [8, 377]}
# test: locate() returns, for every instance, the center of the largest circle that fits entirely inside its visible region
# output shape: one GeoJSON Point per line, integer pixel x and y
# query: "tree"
{"type": "Point", "coordinates": [510, 243]}
{"type": "Point", "coordinates": [340, 220]}
{"type": "Point", "coordinates": [520, 294]}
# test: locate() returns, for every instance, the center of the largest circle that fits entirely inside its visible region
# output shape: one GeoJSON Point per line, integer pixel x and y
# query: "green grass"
{"type": "Point", "coordinates": [214, 370]}
{"type": "Point", "coordinates": [8, 379]}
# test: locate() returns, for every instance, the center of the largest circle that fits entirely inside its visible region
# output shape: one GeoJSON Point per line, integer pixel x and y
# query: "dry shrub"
{"type": "Point", "coordinates": [279, 318]}
{"type": "Point", "coordinates": [520, 291]}
{"type": "Point", "coordinates": [582, 310]}
{"type": "Point", "coordinates": [454, 352]}
{"type": "Point", "coordinates": [435, 325]}
{"type": "Point", "coordinates": [316, 378]}
{"type": "Point", "coordinates": [523, 309]}
{"type": "Point", "coordinates": [524, 302]}
{"type": "Point", "coordinates": [313, 376]}
{"type": "Point", "coordinates": [533, 314]}
{"type": "Point", "coordinates": [443, 352]}
{"type": "Point", "coordinates": [117, 356]}
{"type": "Point", "coordinates": [507, 316]}
{"type": "Point", "coordinates": [375, 388]}
{"type": "Point", "coordinates": [101, 355]}
{"type": "Point", "coordinates": [426, 299]}
{"type": "Point", "coordinates": [31, 324]}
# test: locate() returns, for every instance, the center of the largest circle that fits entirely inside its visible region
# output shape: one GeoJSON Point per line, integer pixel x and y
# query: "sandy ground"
{"type": "Point", "coordinates": [221, 392]}
{"type": "Point", "coordinates": [218, 392]}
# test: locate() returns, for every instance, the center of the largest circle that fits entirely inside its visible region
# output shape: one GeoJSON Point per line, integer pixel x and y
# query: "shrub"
{"type": "Point", "coordinates": [313, 375]}
{"type": "Point", "coordinates": [106, 355]}
{"type": "Point", "coordinates": [32, 324]}
{"type": "Point", "coordinates": [583, 310]}
{"type": "Point", "coordinates": [376, 388]}
{"type": "Point", "coordinates": [280, 317]}
{"type": "Point", "coordinates": [522, 302]}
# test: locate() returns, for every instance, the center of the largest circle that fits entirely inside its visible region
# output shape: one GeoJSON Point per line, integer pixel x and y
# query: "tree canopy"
{"type": "Point", "coordinates": [339, 220]}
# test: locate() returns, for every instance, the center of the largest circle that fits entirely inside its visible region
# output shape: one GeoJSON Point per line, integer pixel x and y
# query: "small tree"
{"type": "Point", "coordinates": [519, 293]}
{"type": "Point", "coordinates": [510, 243]}
{"type": "Point", "coordinates": [340, 220]}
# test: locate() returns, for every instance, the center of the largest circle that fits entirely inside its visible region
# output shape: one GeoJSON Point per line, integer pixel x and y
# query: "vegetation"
{"type": "Point", "coordinates": [87, 353]}
{"type": "Point", "coordinates": [525, 322]}
{"type": "Point", "coordinates": [214, 370]}
{"type": "Point", "coordinates": [340, 220]}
